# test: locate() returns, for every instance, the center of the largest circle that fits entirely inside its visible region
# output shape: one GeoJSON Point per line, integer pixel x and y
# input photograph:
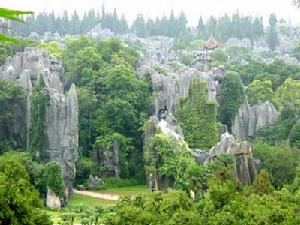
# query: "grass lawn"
{"type": "Point", "coordinates": [86, 201]}
{"type": "Point", "coordinates": [77, 200]}
{"type": "Point", "coordinates": [131, 191]}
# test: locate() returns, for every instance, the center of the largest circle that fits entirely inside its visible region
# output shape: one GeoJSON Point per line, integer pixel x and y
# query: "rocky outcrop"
{"type": "Point", "coordinates": [93, 182]}
{"type": "Point", "coordinates": [52, 200]}
{"type": "Point", "coordinates": [61, 131]}
{"type": "Point", "coordinates": [251, 118]}
{"type": "Point", "coordinates": [167, 125]}
{"type": "Point", "coordinates": [172, 87]}
{"type": "Point", "coordinates": [245, 165]}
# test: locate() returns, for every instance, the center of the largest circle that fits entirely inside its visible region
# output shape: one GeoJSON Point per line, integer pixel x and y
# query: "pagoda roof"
{"type": "Point", "coordinates": [211, 43]}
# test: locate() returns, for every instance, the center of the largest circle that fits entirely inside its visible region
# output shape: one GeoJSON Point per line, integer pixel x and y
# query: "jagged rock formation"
{"type": "Point", "coordinates": [61, 130]}
{"type": "Point", "coordinates": [251, 118]}
{"type": "Point", "coordinates": [245, 165]}
{"type": "Point", "coordinates": [168, 126]}
{"type": "Point", "coordinates": [172, 87]}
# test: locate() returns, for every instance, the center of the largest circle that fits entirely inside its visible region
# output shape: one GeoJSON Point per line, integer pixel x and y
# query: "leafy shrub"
{"type": "Point", "coordinates": [115, 182]}
{"type": "Point", "coordinates": [54, 178]}
{"type": "Point", "coordinates": [279, 161]}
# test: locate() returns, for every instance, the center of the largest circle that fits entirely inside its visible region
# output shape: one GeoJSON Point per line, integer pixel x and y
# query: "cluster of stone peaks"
{"type": "Point", "coordinates": [61, 122]}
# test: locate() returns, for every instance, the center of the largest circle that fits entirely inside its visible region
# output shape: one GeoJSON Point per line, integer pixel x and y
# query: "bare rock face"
{"type": "Point", "coordinates": [52, 201]}
{"type": "Point", "coordinates": [172, 87]}
{"type": "Point", "coordinates": [61, 132]}
{"type": "Point", "coordinates": [245, 165]}
{"type": "Point", "coordinates": [61, 124]}
{"type": "Point", "coordinates": [251, 118]}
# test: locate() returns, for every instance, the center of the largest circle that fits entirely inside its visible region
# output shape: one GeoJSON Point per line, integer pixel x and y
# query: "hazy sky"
{"type": "Point", "coordinates": [152, 8]}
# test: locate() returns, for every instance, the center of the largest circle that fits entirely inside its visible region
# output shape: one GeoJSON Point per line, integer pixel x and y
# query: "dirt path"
{"type": "Point", "coordinates": [97, 195]}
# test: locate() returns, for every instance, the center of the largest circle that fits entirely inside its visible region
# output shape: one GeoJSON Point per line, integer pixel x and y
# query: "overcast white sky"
{"type": "Point", "coordinates": [152, 8]}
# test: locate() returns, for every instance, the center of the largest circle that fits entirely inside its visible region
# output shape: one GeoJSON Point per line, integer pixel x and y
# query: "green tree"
{"type": "Point", "coordinates": [39, 102]}
{"type": "Point", "coordinates": [279, 161]}
{"type": "Point", "coordinates": [272, 36]}
{"type": "Point", "coordinates": [262, 183]}
{"type": "Point", "coordinates": [287, 96]}
{"type": "Point", "coordinates": [295, 135]}
{"type": "Point", "coordinates": [20, 203]}
{"type": "Point", "coordinates": [197, 117]}
{"type": "Point", "coordinates": [53, 178]}
{"type": "Point", "coordinates": [259, 91]}
{"type": "Point", "coordinates": [231, 97]}
{"type": "Point", "coordinates": [11, 94]}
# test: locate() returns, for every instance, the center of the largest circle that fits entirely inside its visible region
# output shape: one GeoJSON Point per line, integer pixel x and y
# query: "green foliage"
{"type": "Point", "coordinates": [53, 178]}
{"type": "Point", "coordinates": [222, 206]}
{"type": "Point", "coordinates": [197, 117]}
{"type": "Point", "coordinates": [226, 27]}
{"type": "Point", "coordinates": [279, 161]}
{"type": "Point", "coordinates": [112, 100]}
{"type": "Point", "coordinates": [19, 200]}
{"type": "Point", "coordinates": [167, 160]}
{"type": "Point", "coordinates": [259, 91]}
{"type": "Point", "coordinates": [173, 207]}
{"type": "Point", "coordinates": [53, 48]}
{"type": "Point", "coordinates": [219, 56]}
{"type": "Point", "coordinates": [288, 96]}
{"type": "Point", "coordinates": [295, 186]}
{"type": "Point", "coordinates": [106, 144]}
{"type": "Point", "coordinates": [272, 35]}
{"type": "Point", "coordinates": [84, 168]}
{"type": "Point", "coordinates": [278, 132]}
{"type": "Point", "coordinates": [11, 15]}
{"type": "Point", "coordinates": [262, 184]}
{"type": "Point", "coordinates": [39, 101]}
{"type": "Point", "coordinates": [277, 72]}
{"type": "Point", "coordinates": [295, 136]}
{"type": "Point", "coordinates": [237, 54]}
{"type": "Point", "coordinates": [231, 97]}
{"type": "Point", "coordinates": [11, 95]}
{"type": "Point", "coordinates": [296, 50]}
{"type": "Point", "coordinates": [115, 182]}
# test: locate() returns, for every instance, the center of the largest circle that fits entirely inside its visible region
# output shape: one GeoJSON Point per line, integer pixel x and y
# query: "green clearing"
{"type": "Point", "coordinates": [77, 201]}
{"type": "Point", "coordinates": [80, 200]}
{"type": "Point", "coordinates": [89, 202]}
{"type": "Point", "coordinates": [123, 191]}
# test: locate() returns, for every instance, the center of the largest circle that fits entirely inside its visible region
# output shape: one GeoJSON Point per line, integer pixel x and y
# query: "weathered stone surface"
{"type": "Point", "coordinates": [172, 87]}
{"type": "Point", "coordinates": [61, 130]}
{"type": "Point", "coordinates": [245, 166]}
{"type": "Point", "coordinates": [52, 200]}
{"type": "Point", "coordinates": [251, 118]}
{"type": "Point", "coordinates": [170, 127]}
{"type": "Point", "coordinates": [109, 158]}
{"type": "Point", "coordinates": [93, 182]}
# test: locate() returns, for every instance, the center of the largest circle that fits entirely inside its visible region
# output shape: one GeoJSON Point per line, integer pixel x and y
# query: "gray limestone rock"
{"type": "Point", "coordinates": [172, 87]}
{"type": "Point", "coordinates": [93, 182]}
{"type": "Point", "coordinates": [61, 124]}
{"type": "Point", "coordinates": [251, 118]}
{"type": "Point", "coordinates": [245, 165]}
{"type": "Point", "coordinates": [52, 200]}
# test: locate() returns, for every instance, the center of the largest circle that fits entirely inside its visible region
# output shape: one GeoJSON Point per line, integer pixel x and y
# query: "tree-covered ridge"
{"type": "Point", "coordinates": [222, 28]}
